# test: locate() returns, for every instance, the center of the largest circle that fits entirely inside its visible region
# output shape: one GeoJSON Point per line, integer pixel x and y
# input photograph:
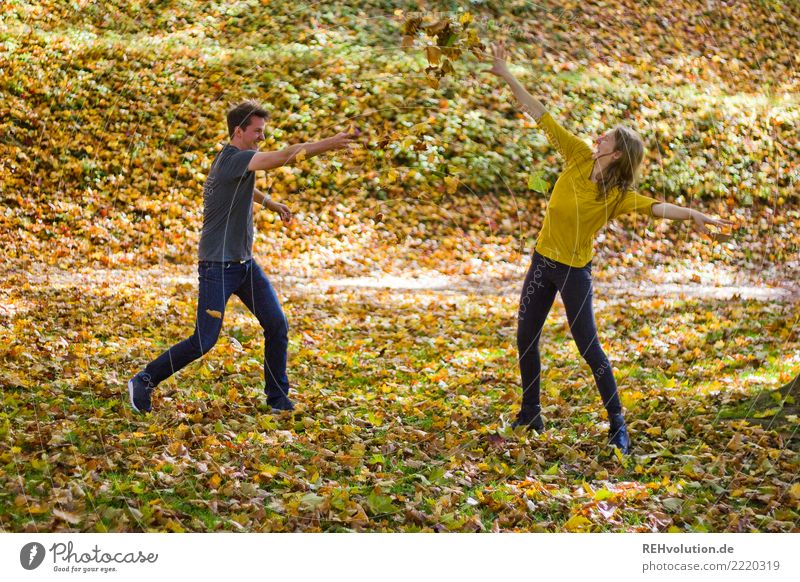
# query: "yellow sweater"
{"type": "Point", "coordinates": [574, 214]}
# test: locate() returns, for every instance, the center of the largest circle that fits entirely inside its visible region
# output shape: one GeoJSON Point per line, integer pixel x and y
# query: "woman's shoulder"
{"type": "Point", "coordinates": [581, 161]}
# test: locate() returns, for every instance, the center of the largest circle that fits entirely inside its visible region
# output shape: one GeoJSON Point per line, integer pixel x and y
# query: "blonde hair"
{"type": "Point", "coordinates": [622, 173]}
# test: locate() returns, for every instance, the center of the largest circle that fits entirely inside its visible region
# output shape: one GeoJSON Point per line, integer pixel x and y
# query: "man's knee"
{"type": "Point", "coordinates": [276, 328]}
{"type": "Point", "coordinates": [203, 342]}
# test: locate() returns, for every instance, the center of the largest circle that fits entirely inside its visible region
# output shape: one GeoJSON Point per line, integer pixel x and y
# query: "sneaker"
{"type": "Point", "coordinates": [618, 434]}
{"type": "Point", "coordinates": [140, 388]}
{"type": "Point", "coordinates": [530, 418]}
{"type": "Point", "coordinates": [280, 404]}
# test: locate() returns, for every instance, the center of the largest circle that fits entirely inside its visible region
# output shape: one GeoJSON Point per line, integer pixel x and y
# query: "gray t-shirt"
{"type": "Point", "coordinates": [228, 207]}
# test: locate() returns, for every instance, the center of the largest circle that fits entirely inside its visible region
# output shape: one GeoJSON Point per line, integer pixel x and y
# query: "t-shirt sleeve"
{"type": "Point", "coordinates": [234, 167]}
{"type": "Point", "coordinates": [636, 203]}
{"type": "Point", "coordinates": [567, 144]}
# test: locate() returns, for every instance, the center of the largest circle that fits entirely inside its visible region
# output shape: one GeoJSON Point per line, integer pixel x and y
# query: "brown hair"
{"type": "Point", "coordinates": [240, 115]}
{"type": "Point", "coordinates": [622, 172]}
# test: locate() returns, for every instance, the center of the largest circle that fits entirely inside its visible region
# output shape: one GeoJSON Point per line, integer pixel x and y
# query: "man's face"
{"type": "Point", "coordinates": [253, 134]}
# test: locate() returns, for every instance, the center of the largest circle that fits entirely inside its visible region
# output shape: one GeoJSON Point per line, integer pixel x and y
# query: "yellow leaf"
{"type": "Point", "coordinates": [215, 481]}
{"type": "Point", "coordinates": [603, 494]}
{"type": "Point", "coordinates": [577, 523]}
{"type": "Point", "coordinates": [214, 313]}
{"type": "Point", "coordinates": [300, 156]}
{"type": "Point", "coordinates": [794, 490]}
{"type": "Point", "coordinates": [268, 470]}
{"type": "Point", "coordinates": [174, 526]}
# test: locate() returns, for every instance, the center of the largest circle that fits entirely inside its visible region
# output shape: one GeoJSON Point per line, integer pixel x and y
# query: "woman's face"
{"type": "Point", "coordinates": [604, 146]}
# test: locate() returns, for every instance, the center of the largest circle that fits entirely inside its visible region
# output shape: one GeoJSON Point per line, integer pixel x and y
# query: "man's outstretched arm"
{"type": "Point", "coordinates": [270, 160]}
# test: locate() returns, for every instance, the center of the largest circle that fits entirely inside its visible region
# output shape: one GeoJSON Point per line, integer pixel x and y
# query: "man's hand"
{"type": "Point", "coordinates": [342, 140]}
{"type": "Point", "coordinates": [281, 209]}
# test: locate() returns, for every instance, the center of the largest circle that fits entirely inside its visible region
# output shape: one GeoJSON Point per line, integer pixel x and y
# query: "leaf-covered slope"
{"type": "Point", "coordinates": [111, 113]}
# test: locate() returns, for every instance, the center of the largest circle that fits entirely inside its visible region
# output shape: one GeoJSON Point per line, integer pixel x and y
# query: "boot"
{"type": "Point", "coordinates": [530, 418]}
{"type": "Point", "coordinates": [618, 433]}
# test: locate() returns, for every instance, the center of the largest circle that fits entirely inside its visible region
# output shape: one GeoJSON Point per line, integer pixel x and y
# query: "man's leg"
{"type": "Point", "coordinates": [536, 300]}
{"type": "Point", "coordinates": [258, 295]}
{"type": "Point", "coordinates": [216, 285]}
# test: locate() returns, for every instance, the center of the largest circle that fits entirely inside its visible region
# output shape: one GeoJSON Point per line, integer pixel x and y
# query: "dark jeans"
{"type": "Point", "coordinates": [218, 281]}
{"type": "Point", "coordinates": [544, 278]}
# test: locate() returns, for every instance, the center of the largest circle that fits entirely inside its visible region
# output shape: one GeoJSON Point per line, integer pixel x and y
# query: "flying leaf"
{"type": "Point", "coordinates": [537, 183]}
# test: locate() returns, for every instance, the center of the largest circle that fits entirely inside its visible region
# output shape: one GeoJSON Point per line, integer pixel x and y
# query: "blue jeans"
{"type": "Point", "coordinates": [218, 281]}
{"type": "Point", "coordinates": [544, 278]}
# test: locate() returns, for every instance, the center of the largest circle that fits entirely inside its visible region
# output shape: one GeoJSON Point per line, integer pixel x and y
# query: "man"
{"type": "Point", "coordinates": [226, 265]}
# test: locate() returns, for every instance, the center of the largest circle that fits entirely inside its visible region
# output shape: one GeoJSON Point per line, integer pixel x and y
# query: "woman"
{"type": "Point", "coordinates": [595, 187]}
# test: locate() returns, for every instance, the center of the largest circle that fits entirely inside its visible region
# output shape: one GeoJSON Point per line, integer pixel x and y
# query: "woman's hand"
{"type": "Point", "coordinates": [499, 66]}
{"type": "Point", "coordinates": [702, 220]}
{"type": "Point", "coordinates": [530, 104]}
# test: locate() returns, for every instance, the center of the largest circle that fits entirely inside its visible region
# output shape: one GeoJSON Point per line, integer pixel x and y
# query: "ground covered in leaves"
{"type": "Point", "coordinates": [405, 389]}
{"type": "Point", "coordinates": [400, 274]}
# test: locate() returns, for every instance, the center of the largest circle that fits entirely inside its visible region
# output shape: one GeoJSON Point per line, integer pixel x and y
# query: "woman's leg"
{"type": "Point", "coordinates": [538, 293]}
{"type": "Point", "coordinates": [576, 292]}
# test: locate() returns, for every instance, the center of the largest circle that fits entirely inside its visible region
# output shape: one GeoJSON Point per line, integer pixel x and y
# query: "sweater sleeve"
{"type": "Point", "coordinates": [636, 203]}
{"type": "Point", "coordinates": [567, 144]}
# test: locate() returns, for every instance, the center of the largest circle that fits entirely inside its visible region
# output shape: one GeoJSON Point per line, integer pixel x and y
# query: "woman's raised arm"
{"type": "Point", "coordinates": [530, 104]}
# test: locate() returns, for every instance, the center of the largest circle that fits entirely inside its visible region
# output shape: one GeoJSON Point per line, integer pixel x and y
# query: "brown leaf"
{"type": "Point", "coordinates": [68, 517]}
{"type": "Point", "coordinates": [433, 54]}
{"type": "Point", "coordinates": [415, 516]}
